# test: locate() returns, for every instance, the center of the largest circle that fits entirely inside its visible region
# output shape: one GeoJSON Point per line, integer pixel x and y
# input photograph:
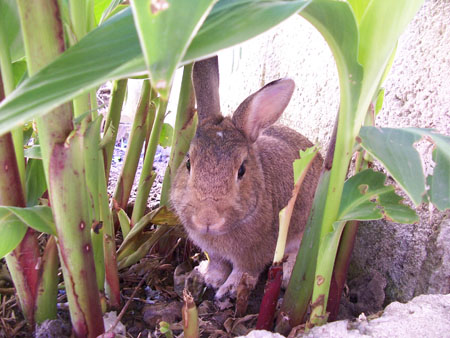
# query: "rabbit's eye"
{"type": "Point", "coordinates": [241, 171]}
{"type": "Point", "coordinates": [188, 164]}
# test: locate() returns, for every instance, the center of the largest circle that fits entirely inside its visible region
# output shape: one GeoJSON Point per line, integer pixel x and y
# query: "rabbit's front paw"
{"type": "Point", "coordinates": [229, 288]}
{"type": "Point", "coordinates": [214, 273]}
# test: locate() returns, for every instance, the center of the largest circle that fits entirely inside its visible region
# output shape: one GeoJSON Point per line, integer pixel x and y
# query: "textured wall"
{"type": "Point", "coordinates": [414, 259]}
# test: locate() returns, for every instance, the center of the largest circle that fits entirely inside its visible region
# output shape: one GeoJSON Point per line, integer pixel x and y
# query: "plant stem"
{"type": "Point", "coordinates": [113, 120]}
{"type": "Point", "coordinates": [341, 267]}
{"type": "Point", "coordinates": [145, 181]}
{"type": "Point", "coordinates": [185, 125]}
{"type": "Point", "coordinates": [7, 79]}
{"type": "Point", "coordinates": [190, 316]}
{"type": "Point", "coordinates": [22, 261]}
{"type": "Point", "coordinates": [134, 149]}
{"type": "Point", "coordinates": [43, 39]}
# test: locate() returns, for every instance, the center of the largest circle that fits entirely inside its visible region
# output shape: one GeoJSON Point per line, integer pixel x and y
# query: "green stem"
{"type": "Point", "coordinates": [7, 79]}
{"type": "Point", "coordinates": [113, 120]}
{"type": "Point", "coordinates": [145, 181]}
{"type": "Point", "coordinates": [145, 111]}
{"type": "Point", "coordinates": [185, 125]}
{"type": "Point", "coordinates": [48, 290]}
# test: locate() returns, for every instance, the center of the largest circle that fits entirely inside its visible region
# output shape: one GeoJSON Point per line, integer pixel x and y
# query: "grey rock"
{"type": "Point", "coordinates": [424, 316]}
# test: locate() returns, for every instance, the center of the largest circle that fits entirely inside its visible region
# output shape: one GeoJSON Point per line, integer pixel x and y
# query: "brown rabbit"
{"type": "Point", "coordinates": [236, 178]}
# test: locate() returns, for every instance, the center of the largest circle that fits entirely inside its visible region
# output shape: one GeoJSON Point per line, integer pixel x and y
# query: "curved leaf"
{"type": "Point", "coordinates": [14, 222]}
{"type": "Point", "coordinates": [366, 197]}
{"type": "Point", "coordinates": [112, 51]}
{"type": "Point", "coordinates": [394, 148]}
{"type": "Point", "coordinates": [37, 217]}
{"type": "Point", "coordinates": [165, 29]}
{"type": "Point", "coordinates": [12, 231]}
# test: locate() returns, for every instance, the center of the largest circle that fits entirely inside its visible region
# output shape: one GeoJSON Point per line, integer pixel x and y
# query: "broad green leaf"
{"type": "Point", "coordinates": [165, 29]}
{"type": "Point", "coordinates": [380, 28]}
{"type": "Point", "coordinates": [37, 217]}
{"type": "Point", "coordinates": [35, 181]}
{"type": "Point", "coordinates": [231, 22]}
{"type": "Point", "coordinates": [394, 148]}
{"type": "Point", "coordinates": [359, 8]}
{"type": "Point", "coordinates": [165, 138]}
{"type": "Point", "coordinates": [12, 231]}
{"type": "Point", "coordinates": [366, 197]}
{"type": "Point", "coordinates": [112, 51]}
{"type": "Point", "coordinates": [336, 22]}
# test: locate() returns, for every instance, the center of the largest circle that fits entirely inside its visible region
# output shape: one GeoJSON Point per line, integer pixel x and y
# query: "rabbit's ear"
{"type": "Point", "coordinates": [206, 85]}
{"type": "Point", "coordinates": [263, 108]}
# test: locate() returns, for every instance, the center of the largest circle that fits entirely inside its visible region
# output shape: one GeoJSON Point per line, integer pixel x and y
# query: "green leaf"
{"type": "Point", "coordinates": [394, 148]}
{"type": "Point", "coordinates": [380, 28]}
{"type": "Point", "coordinates": [124, 222]}
{"type": "Point", "coordinates": [439, 182]}
{"type": "Point", "coordinates": [231, 22]}
{"type": "Point", "coordinates": [112, 51]}
{"type": "Point", "coordinates": [35, 182]}
{"type": "Point", "coordinates": [37, 217]}
{"type": "Point", "coordinates": [165, 30]}
{"type": "Point", "coordinates": [10, 21]}
{"type": "Point", "coordinates": [366, 197]}
{"type": "Point", "coordinates": [165, 138]}
{"type": "Point", "coordinates": [302, 163]}
{"type": "Point", "coordinates": [12, 231]}
{"type": "Point", "coordinates": [359, 8]}
{"type": "Point", "coordinates": [104, 8]}
{"type": "Point", "coordinates": [336, 22]}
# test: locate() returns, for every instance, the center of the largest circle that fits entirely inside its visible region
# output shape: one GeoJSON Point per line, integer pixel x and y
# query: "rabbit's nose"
{"type": "Point", "coordinates": [208, 220]}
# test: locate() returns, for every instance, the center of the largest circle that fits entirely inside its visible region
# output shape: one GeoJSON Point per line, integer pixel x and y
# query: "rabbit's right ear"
{"type": "Point", "coordinates": [263, 108]}
{"type": "Point", "coordinates": [206, 85]}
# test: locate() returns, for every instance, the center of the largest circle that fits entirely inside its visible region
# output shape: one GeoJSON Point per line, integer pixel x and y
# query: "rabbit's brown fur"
{"type": "Point", "coordinates": [234, 217]}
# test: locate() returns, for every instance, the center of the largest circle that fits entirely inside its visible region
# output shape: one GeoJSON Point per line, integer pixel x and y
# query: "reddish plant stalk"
{"type": "Point", "coordinates": [270, 299]}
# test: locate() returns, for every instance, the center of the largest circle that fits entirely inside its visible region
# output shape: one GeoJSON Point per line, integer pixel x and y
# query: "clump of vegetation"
{"type": "Point", "coordinates": [53, 56]}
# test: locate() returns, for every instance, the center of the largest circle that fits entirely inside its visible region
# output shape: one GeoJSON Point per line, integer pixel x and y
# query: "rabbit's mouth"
{"type": "Point", "coordinates": [208, 225]}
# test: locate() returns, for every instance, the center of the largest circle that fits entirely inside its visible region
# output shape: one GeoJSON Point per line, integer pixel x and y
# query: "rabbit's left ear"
{"type": "Point", "coordinates": [263, 108]}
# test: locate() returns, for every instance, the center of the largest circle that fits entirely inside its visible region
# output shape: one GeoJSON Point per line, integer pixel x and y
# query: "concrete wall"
{"type": "Point", "coordinates": [413, 259]}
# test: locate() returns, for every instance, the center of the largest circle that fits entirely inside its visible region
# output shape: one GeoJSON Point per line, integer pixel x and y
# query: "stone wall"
{"type": "Point", "coordinates": [414, 259]}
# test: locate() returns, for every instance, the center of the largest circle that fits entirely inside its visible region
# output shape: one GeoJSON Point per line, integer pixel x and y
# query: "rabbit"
{"type": "Point", "coordinates": [236, 177]}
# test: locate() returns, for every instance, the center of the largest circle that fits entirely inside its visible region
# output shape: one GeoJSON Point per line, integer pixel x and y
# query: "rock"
{"type": "Point", "coordinates": [414, 258]}
{"type": "Point", "coordinates": [366, 295]}
{"type": "Point", "coordinates": [263, 334]}
{"type": "Point", "coordinates": [168, 312]}
{"type": "Point", "coordinates": [424, 316]}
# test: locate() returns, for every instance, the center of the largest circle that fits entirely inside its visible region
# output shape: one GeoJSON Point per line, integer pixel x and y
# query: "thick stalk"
{"type": "Point", "coordinates": [145, 181]}
{"type": "Point", "coordinates": [341, 268]}
{"type": "Point", "coordinates": [185, 125]}
{"type": "Point", "coordinates": [134, 149]}
{"type": "Point", "coordinates": [113, 120]}
{"type": "Point", "coordinates": [298, 293]}
{"type": "Point", "coordinates": [43, 39]}
{"type": "Point", "coordinates": [22, 260]}
{"type": "Point", "coordinates": [48, 290]}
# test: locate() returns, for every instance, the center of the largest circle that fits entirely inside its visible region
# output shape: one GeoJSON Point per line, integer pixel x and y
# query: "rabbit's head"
{"type": "Point", "coordinates": [221, 181]}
